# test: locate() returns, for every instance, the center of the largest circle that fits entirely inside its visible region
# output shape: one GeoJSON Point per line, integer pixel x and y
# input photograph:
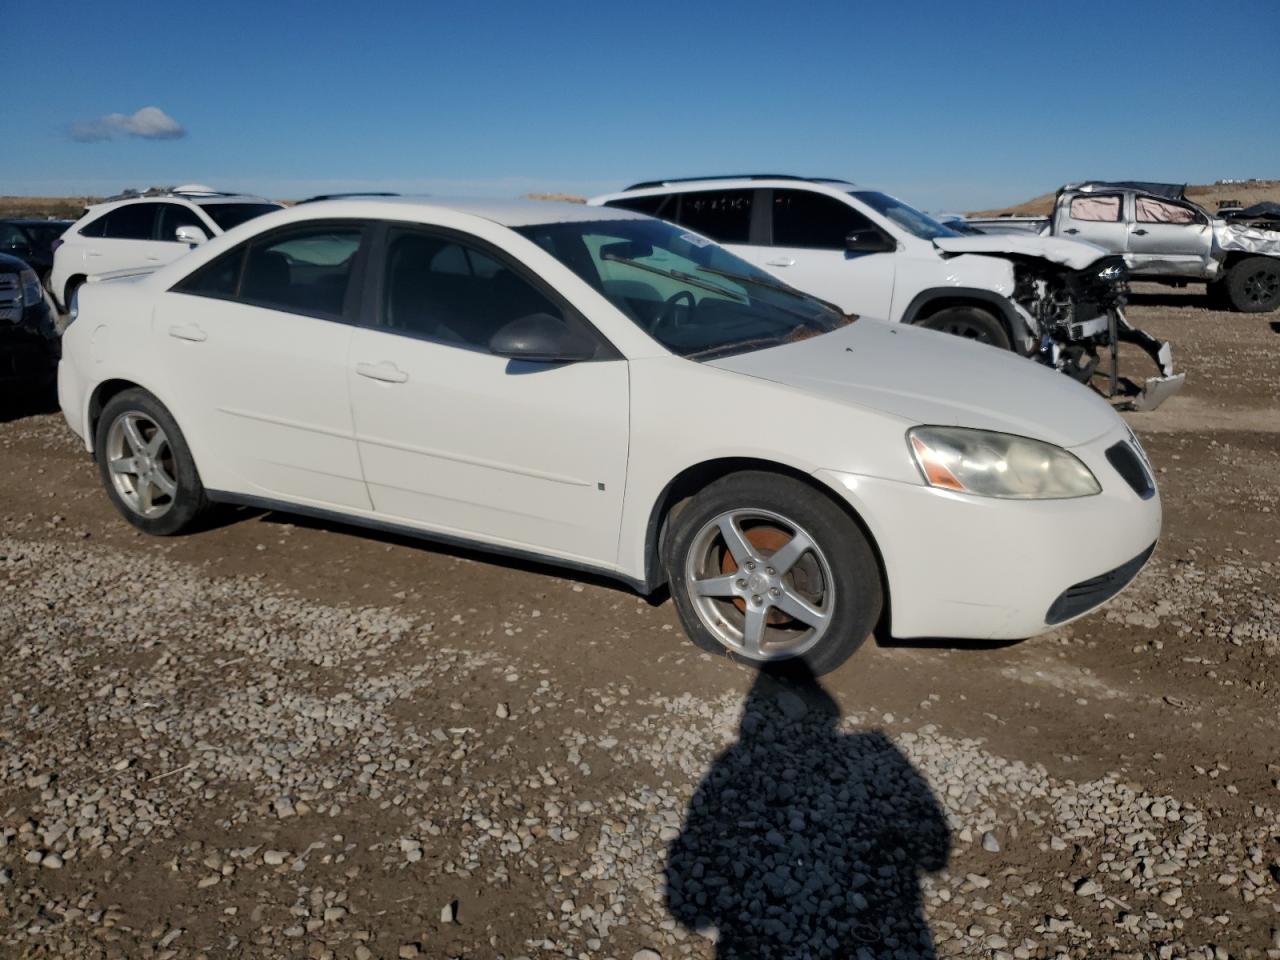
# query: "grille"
{"type": "Point", "coordinates": [1087, 594]}
{"type": "Point", "coordinates": [1129, 465]}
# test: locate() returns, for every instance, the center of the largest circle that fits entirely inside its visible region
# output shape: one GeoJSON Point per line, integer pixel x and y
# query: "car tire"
{"type": "Point", "coordinates": [146, 465]}
{"type": "Point", "coordinates": [972, 323]}
{"type": "Point", "coordinates": [1253, 284]}
{"type": "Point", "coordinates": [819, 608]}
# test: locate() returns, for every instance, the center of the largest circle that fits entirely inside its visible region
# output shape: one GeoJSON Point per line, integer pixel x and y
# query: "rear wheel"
{"type": "Point", "coordinates": [1253, 284]}
{"type": "Point", "coordinates": [146, 466]}
{"type": "Point", "coordinates": [972, 323]}
{"type": "Point", "coordinates": [767, 568]}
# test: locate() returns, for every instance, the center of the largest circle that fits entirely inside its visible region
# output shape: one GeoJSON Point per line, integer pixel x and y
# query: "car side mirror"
{"type": "Point", "coordinates": [541, 338]}
{"type": "Point", "coordinates": [192, 236]}
{"type": "Point", "coordinates": [869, 241]}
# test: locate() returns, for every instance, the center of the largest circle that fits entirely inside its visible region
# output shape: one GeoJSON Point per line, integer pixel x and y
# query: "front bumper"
{"type": "Point", "coordinates": [979, 568]}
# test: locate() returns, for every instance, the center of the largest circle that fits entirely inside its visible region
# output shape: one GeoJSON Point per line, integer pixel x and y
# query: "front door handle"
{"type": "Point", "coordinates": [781, 262]}
{"type": "Point", "coordinates": [384, 370]}
{"type": "Point", "coordinates": [188, 331]}
{"type": "Point", "coordinates": [1071, 230]}
{"type": "Point", "coordinates": [1139, 232]}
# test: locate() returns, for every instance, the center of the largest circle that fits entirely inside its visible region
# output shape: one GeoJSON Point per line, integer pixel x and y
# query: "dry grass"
{"type": "Point", "coordinates": [40, 208]}
{"type": "Point", "coordinates": [562, 197]}
{"type": "Point", "coordinates": [1207, 195]}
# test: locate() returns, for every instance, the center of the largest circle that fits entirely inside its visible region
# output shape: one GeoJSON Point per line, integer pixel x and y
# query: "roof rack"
{"type": "Point", "coordinates": [187, 191]}
{"type": "Point", "coordinates": [644, 185]}
{"type": "Point", "coordinates": [345, 196]}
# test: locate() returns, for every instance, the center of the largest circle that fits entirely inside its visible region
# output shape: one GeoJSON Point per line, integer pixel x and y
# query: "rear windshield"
{"type": "Point", "coordinates": [43, 234]}
{"type": "Point", "coordinates": [904, 215]}
{"type": "Point", "coordinates": [228, 215]}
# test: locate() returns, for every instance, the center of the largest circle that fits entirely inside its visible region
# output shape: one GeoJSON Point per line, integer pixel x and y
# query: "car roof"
{"type": "Point", "coordinates": [508, 213]}
{"type": "Point", "coordinates": [198, 199]}
{"type": "Point", "coordinates": [743, 179]}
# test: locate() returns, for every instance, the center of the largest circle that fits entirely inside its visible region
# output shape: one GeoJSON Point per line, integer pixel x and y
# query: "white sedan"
{"type": "Point", "coordinates": [609, 392]}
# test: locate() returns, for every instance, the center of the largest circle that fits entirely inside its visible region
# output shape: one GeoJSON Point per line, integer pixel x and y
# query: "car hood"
{"type": "Point", "coordinates": [927, 377]}
{"type": "Point", "coordinates": [1076, 254]}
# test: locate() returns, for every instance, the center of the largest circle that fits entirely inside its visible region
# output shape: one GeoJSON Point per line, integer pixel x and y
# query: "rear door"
{"type": "Point", "coordinates": [528, 456]}
{"type": "Point", "coordinates": [1167, 237]}
{"type": "Point", "coordinates": [257, 340]}
{"type": "Point", "coordinates": [1096, 217]}
{"type": "Point", "coordinates": [127, 240]}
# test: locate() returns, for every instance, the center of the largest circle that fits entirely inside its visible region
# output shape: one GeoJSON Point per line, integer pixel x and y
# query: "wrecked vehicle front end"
{"type": "Point", "coordinates": [1078, 316]}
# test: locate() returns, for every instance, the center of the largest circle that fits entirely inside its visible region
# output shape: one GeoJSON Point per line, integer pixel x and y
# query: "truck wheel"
{"type": "Point", "coordinates": [1254, 285]}
{"type": "Point", "coordinates": [972, 323]}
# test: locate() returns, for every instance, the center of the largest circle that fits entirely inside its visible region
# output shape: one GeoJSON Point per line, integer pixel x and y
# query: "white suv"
{"type": "Point", "coordinates": [142, 231]}
{"type": "Point", "coordinates": [871, 254]}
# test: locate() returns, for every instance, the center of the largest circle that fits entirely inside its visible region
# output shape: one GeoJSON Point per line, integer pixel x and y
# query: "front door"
{"type": "Point", "coordinates": [1169, 238]}
{"type": "Point", "coordinates": [455, 439]}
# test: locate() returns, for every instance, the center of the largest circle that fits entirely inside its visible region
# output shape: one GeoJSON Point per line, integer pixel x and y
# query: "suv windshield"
{"type": "Point", "coordinates": [904, 215]}
{"type": "Point", "coordinates": [228, 215]}
{"type": "Point", "coordinates": [690, 295]}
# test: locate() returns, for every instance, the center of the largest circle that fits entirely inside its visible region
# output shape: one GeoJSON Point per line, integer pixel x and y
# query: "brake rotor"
{"type": "Point", "coordinates": [768, 540]}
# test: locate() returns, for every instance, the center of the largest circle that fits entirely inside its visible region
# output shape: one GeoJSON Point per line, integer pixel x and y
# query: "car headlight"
{"type": "Point", "coordinates": [30, 287]}
{"type": "Point", "coordinates": [990, 464]}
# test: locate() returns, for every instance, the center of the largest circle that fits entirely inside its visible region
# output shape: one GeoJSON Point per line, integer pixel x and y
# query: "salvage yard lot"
{"type": "Point", "coordinates": [281, 738]}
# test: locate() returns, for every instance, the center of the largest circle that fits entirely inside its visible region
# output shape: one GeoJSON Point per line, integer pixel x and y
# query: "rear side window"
{"type": "Point", "coordinates": [440, 289]}
{"type": "Point", "coordinates": [95, 228]}
{"type": "Point", "coordinates": [304, 270]}
{"type": "Point", "coordinates": [175, 215]}
{"type": "Point", "coordinates": [805, 219]}
{"type": "Point", "coordinates": [1151, 210]}
{"type": "Point", "coordinates": [722, 215]}
{"type": "Point", "coordinates": [134, 221]}
{"type": "Point", "coordinates": [1096, 209]}
{"type": "Point", "coordinates": [658, 206]}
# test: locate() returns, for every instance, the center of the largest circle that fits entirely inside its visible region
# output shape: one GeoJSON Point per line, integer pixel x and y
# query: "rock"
{"type": "Point", "coordinates": [409, 951]}
{"type": "Point", "coordinates": [644, 953]}
{"type": "Point", "coordinates": [449, 912]}
{"type": "Point", "coordinates": [503, 711]}
{"type": "Point", "coordinates": [990, 843]}
{"type": "Point", "coordinates": [51, 861]}
{"type": "Point", "coordinates": [1087, 887]}
{"type": "Point", "coordinates": [792, 706]}
{"type": "Point", "coordinates": [273, 858]}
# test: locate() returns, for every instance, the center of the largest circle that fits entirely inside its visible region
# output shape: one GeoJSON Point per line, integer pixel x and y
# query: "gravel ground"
{"type": "Point", "coordinates": [276, 739]}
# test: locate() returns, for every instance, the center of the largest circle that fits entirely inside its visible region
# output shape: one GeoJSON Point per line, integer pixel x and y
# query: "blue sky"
{"type": "Point", "coordinates": [949, 105]}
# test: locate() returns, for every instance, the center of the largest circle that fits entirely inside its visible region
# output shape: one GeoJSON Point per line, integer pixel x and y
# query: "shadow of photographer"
{"type": "Point", "coordinates": [803, 841]}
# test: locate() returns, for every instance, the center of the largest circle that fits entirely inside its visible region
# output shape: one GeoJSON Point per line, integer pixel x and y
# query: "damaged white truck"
{"type": "Point", "coordinates": [1056, 300]}
{"type": "Point", "coordinates": [1165, 237]}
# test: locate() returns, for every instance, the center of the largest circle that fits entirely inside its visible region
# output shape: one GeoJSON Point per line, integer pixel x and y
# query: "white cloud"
{"type": "Point", "coordinates": [149, 123]}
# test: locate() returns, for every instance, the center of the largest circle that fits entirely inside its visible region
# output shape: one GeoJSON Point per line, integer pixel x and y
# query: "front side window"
{"type": "Point", "coordinates": [438, 288]}
{"type": "Point", "coordinates": [904, 215]}
{"type": "Point", "coordinates": [1096, 209]}
{"type": "Point", "coordinates": [1151, 210]}
{"type": "Point", "coordinates": [303, 270]}
{"type": "Point", "coordinates": [802, 218]}
{"type": "Point", "coordinates": [133, 221]}
{"type": "Point", "coordinates": [175, 215]}
{"type": "Point", "coordinates": [692, 296]}
{"type": "Point", "coordinates": [228, 215]}
{"type": "Point", "coordinates": [722, 215]}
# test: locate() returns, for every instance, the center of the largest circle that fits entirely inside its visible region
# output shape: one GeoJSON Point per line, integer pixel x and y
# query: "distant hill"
{"type": "Point", "coordinates": [1207, 195]}
{"type": "Point", "coordinates": [42, 208]}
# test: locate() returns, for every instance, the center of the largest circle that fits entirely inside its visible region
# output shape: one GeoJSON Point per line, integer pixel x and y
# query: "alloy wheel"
{"type": "Point", "coordinates": [1262, 286]}
{"type": "Point", "coordinates": [760, 584]}
{"type": "Point", "coordinates": [141, 464]}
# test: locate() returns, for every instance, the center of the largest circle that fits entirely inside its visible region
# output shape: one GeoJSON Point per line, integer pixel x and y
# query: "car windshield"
{"type": "Point", "coordinates": [695, 298]}
{"type": "Point", "coordinates": [904, 215]}
{"type": "Point", "coordinates": [228, 215]}
{"type": "Point", "coordinates": [43, 234]}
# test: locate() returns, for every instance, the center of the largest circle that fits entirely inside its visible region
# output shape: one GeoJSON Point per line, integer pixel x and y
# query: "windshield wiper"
{"type": "Point", "coordinates": [676, 275]}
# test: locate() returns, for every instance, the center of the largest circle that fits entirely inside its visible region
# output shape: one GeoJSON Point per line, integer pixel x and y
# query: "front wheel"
{"type": "Point", "coordinates": [1253, 284]}
{"type": "Point", "coordinates": [146, 466]}
{"type": "Point", "coordinates": [767, 568]}
{"type": "Point", "coordinates": [972, 323]}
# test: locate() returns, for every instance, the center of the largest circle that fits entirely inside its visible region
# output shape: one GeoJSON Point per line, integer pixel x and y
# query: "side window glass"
{"type": "Point", "coordinates": [1151, 210]}
{"type": "Point", "coordinates": [175, 215]}
{"type": "Point", "coordinates": [722, 215]}
{"type": "Point", "coordinates": [134, 221]}
{"type": "Point", "coordinates": [805, 219]}
{"type": "Point", "coordinates": [302, 271]}
{"type": "Point", "coordinates": [95, 228]}
{"type": "Point", "coordinates": [442, 290]}
{"type": "Point", "coordinates": [659, 206]}
{"type": "Point", "coordinates": [219, 278]}
{"type": "Point", "coordinates": [1096, 209]}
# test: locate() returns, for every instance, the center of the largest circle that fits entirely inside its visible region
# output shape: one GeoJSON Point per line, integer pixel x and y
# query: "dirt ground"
{"type": "Point", "coordinates": [281, 738]}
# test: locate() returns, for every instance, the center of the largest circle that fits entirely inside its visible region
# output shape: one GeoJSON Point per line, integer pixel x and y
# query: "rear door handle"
{"type": "Point", "coordinates": [781, 262]}
{"type": "Point", "coordinates": [1071, 230]}
{"type": "Point", "coordinates": [1139, 232]}
{"type": "Point", "coordinates": [384, 370]}
{"type": "Point", "coordinates": [188, 331]}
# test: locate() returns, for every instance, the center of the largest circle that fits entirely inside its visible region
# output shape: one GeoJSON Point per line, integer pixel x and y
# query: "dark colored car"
{"type": "Point", "coordinates": [29, 344]}
{"type": "Point", "coordinates": [32, 241]}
